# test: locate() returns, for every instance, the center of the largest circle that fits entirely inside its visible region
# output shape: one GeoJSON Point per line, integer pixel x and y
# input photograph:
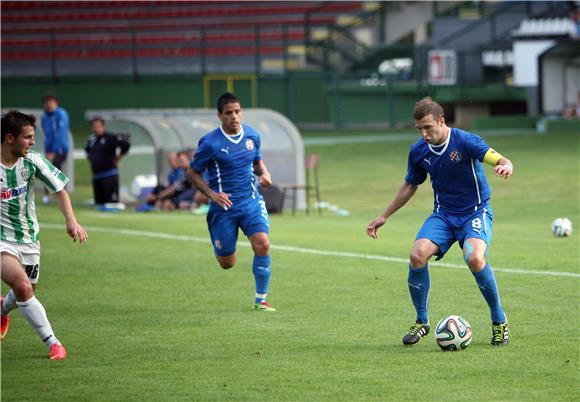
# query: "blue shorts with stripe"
{"type": "Point", "coordinates": [251, 217]}
{"type": "Point", "coordinates": [444, 229]}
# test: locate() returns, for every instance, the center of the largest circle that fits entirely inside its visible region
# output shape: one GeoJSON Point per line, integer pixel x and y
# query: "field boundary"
{"type": "Point", "coordinates": [303, 250]}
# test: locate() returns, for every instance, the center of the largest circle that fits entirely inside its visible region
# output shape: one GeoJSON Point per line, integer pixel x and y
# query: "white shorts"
{"type": "Point", "coordinates": [28, 254]}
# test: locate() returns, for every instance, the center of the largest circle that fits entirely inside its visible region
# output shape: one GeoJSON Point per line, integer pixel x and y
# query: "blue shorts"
{"type": "Point", "coordinates": [223, 225]}
{"type": "Point", "coordinates": [444, 229]}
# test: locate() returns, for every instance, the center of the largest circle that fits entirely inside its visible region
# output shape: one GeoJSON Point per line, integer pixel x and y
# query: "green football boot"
{"type": "Point", "coordinates": [500, 334]}
{"type": "Point", "coordinates": [264, 306]}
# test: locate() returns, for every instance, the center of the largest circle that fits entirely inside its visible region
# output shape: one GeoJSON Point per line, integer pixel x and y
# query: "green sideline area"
{"type": "Point", "coordinates": [147, 316]}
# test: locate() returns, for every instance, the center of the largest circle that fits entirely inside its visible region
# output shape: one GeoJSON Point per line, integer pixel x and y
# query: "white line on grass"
{"type": "Point", "coordinates": [302, 250]}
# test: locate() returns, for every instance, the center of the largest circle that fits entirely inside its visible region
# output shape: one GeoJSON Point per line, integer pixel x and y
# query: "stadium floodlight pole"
{"type": "Point", "coordinates": [257, 55]}
{"type": "Point", "coordinates": [53, 56]}
{"type": "Point", "coordinates": [285, 49]}
{"type": "Point", "coordinates": [307, 33]}
{"type": "Point", "coordinates": [134, 56]}
{"type": "Point", "coordinates": [202, 48]}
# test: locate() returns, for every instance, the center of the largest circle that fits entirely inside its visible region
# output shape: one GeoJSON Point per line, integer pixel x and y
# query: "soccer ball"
{"type": "Point", "coordinates": [453, 333]}
{"type": "Point", "coordinates": [562, 227]}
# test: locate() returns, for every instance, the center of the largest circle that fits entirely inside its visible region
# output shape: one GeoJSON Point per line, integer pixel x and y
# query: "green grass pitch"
{"type": "Point", "coordinates": [154, 318]}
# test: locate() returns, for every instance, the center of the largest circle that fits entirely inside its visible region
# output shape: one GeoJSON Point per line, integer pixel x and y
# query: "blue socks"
{"type": "Point", "coordinates": [488, 287]}
{"type": "Point", "coordinates": [419, 284]}
{"type": "Point", "coordinates": [261, 269]}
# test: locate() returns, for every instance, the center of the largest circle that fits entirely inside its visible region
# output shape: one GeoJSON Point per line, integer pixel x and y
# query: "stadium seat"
{"type": "Point", "coordinates": [67, 33]}
{"type": "Point", "coordinates": [311, 165]}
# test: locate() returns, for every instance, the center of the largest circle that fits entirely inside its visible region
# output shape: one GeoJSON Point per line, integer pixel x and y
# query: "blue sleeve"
{"type": "Point", "coordinates": [61, 136]}
{"type": "Point", "coordinates": [258, 154]}
{"type": "Point", "coordinates": [415, 174]}
{"type": "Point", "coordinates": [170, 176]}
{"type": "Point", "coordinates": [202, 156]}
{"type": "Point", "coordinates": [48, 134]}
{"type": "Point", "coordinates": [476, 146]}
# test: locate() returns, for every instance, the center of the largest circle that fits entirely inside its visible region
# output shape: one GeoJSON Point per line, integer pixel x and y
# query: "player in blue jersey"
{"type": "Point", "coordinates": [231, 154]}
{"type": "Point", "coordinates": [453, 159]}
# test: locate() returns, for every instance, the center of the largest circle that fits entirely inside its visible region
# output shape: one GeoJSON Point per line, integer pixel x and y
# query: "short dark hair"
{"type": "Point", "coordinates": [49, 96]}
{"type": "Point", "coordinates": [14, 121]}
{"type": "Point", "coordinates": [98, 118]}
{"type": "Point", "coordinates": [226, 98]}
{"type": "Point", "coordinates": [427, 106]}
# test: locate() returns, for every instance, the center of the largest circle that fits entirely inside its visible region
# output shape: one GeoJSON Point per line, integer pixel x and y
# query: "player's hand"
{"type": "Point", "coordinates": [265, 179]}
{"type": "Point", "coordinates": [375, 224]}
{"type": "Point", "coordinates": [77, 232]}
{"type": "Point", "coordinates": [223, 200]}
{"type": "Point", "coordinates": [504, 171]}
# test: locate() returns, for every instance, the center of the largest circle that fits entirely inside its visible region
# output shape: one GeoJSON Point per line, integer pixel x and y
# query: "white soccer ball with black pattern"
{"type": "Point", "coordinates": [453, 333]}
{"type": "Point", "coordinates": [562, 227]}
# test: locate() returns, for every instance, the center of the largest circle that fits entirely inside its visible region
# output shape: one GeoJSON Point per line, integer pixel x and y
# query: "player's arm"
{"type": "Point", "coordinates": [168, 192]}
{"type": "Point", "coordinates": [73, 229]}
{"type": "Point", "coordinates": [404, 194]}
{"type": "Point", "coordinates": [222, 199]}
{"type": "Point", "coordinates": [502, 166]}
{"type": "Point", "coordinates": [122, 148]}
{"type": "Point", "coordinates": [263, 173]}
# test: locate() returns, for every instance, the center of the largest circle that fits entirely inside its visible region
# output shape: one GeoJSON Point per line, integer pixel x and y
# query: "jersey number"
{"type": "Point", "coordinates": [31, 271]}
{"type": "Point", "coordinates": [476, 224]}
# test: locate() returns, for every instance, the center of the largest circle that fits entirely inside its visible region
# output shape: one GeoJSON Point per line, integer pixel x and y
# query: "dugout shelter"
{"type": "Point", "coordinates": [69, 164]}
{"type": "Point", "coordinates": [155, 132]}
{"type": "Point", "coordinates": [559, 77]}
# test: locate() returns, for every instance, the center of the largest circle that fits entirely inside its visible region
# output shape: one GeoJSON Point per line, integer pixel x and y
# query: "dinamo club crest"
{"type": "Point", "coordinates": [455, 156]}
{"type": "Point", "coordinates": [249, 144]}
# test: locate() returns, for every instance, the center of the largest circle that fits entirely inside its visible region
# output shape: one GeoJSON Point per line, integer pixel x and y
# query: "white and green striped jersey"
{"type": "Point", "coordinates": [18, 219]}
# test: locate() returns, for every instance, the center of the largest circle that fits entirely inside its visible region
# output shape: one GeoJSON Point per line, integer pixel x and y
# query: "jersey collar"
{"type": "Point", "coordinates": [439, 150]}
{"type": "Point", "coordinates": [229, 137]}
{"type": "Point", "coordinates": [18, 161]}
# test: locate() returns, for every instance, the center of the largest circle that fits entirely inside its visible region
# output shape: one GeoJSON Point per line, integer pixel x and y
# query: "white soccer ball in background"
{"type": "Point", "coordinates": [562, 227]}
{"type": "Point", "coordinates": [453, 333]}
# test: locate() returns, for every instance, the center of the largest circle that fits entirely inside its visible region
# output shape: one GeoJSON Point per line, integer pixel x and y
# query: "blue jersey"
{"type": "Point", "coordinates": [229, 161]}
{"type": "Point", "coordinates": [455, 169]}
{"type": "Point", "coordinates": [176, 175]}
{"type": "Point", "coordinates": [55, 126]}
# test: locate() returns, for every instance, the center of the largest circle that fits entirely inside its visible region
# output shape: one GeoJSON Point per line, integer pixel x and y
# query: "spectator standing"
{"type": "Point", "coordinates": [104, 151]}
{"type": "Point", "coordinates": [55, 124]}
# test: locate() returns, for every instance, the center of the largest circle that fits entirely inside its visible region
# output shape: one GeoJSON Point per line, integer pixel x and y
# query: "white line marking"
{"type": "Point", "coordinates": [169, 236]}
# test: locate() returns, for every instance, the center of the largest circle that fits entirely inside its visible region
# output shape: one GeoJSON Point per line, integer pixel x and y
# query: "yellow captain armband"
{"type": "Point", "coordinates": [492, 157]}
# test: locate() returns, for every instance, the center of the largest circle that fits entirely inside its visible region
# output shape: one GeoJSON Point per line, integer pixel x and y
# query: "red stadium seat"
{"type": "Point", "coordinates": [79, 30]}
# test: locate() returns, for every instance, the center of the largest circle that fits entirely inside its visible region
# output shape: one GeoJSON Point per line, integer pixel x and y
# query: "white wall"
{"type": "Point", "coordinates": [526, 55]}
{"type": "Point", "coordinates": [560, 83]}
